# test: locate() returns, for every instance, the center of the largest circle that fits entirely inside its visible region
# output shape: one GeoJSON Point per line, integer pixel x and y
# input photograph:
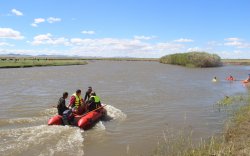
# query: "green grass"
{"type": "Point", "coordinates": [192, 59]}
{"type": "Point", "coordinates": [27, 62]}
{"type": "Point", "coordinates": [236, 61]}
{"type": "Point", "coordinates": [234, 141]}
{"type": "Point", "coordinates": [226, 101]}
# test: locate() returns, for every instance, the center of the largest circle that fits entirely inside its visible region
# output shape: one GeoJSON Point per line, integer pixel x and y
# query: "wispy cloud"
{"type": "Point", "coordinates": [5, 44]}
{"type": "Point", "coordinates": [37, 21]}
{"type": "Point", "coordinates": [32, 51]}
{"type": "Point", "coordinates": [42, 20]}
{"type": "Point", "coordinates": [143, 37]}
{"type": "Point", "coordinates": [109, 47]}
{"type": "Point", "coordinates": [236, 42]}
{"type": "Point", "coordinates": [122, 47]}
{"type": "Point", "coordinates": [195, 49]}
{"type": "Point", "coordinates": [53, 19]}
{"type": "Point", "coordinates": [214, 43]}
{"type": "Point", "coordinates": [48, 39]}
{"type": "Point", "coordinates": [9, 33]}
{"type": "Point", "coordinates": [16, 12]}
{"type": "Point", "coordinates": [184, 40]}
{"type": "Point", "coordinates": [232, 39]}
{"type": "Point", "coordinates": [88, 32]}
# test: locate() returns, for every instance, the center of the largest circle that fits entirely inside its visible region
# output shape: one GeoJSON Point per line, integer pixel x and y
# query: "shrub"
{"type": "Point", "coordinates": [192, 59]}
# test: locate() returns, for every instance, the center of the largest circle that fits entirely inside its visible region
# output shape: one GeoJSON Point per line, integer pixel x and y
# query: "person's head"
{"type": "Point", "coordinates": [65, 95]}
{"type": "Point", "coordinates": [93, 94]}
{"type": "Point", "coordinates": [89, 89]}
{"type": "Point", "coordinates": [78, 92]}
{"type": "Point", "coordinates": [215, 77]}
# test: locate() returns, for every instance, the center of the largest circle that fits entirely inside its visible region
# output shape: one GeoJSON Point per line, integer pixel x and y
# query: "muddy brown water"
{"type": "Point", "coordinates": [144, 99]}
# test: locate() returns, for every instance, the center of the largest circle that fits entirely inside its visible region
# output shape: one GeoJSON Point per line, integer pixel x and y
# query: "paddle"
{"type": "Point", "coordinates": [92, 111]}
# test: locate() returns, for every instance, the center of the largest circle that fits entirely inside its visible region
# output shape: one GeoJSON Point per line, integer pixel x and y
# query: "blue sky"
{"type": "Point", "coordinates": [125, 28]}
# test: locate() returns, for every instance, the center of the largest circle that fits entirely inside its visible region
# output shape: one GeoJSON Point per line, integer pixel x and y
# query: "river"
{"type": "Point", "coordinates": [143, 100]}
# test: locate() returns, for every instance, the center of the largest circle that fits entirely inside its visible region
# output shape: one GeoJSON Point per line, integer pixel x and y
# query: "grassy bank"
{"type": "Point", "coordinates": [37, 62]}
{"type": "Point", "coordinates": [192, 59]}
{"type": "Point", "coordinates": [235, 141]}
{"type": "Point", "coordinates": [236, 61]}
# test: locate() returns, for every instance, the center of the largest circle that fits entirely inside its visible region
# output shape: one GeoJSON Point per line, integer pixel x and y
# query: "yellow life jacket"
{"type": "Point", "coordinates": [96, 98]}
{"type": "Point", "coordinates": [78, 100]}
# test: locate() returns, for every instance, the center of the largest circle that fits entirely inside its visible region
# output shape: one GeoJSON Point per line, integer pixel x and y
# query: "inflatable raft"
{"type": "Point", "coordinates": [84, 121]}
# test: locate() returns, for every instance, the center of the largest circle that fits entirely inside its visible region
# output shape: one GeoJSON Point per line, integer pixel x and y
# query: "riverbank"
{"type": "Point", "coordinates": [236, 61]}
{"type": "Point", "coordinates": [236, 138]}
{"type": "Point", "coordinates": [38, 62]}
{"type": "Point", "coordinates": [234, 141]}
{"type": "Point", "coordinates": [24, 62]}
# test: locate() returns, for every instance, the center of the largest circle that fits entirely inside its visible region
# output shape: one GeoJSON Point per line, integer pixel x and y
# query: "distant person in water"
{"type": "Point", "coordinates": [214, 79]}
{"type": "Point", "coordinates": [61, 107]}
{"type": "Point", "coordinates": [230, 78]}
{"type": "Point", "coordinates": [87, 94]}
{"type": "Point", "coordinates": [248, 79]}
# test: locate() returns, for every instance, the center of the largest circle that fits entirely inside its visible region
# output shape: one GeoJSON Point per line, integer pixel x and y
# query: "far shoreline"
{"type": "Point", "coordinates": [28, 62]}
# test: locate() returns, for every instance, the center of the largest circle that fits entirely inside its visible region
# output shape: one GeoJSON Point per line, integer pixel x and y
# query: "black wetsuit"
{"type": "Point", "coordinates": [61, 107]}
{"type": "Point", "coordinates": [87, 96]}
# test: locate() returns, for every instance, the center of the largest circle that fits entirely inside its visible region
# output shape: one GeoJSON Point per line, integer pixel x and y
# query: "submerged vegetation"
{"type": "Point", "coordinates": [233, 142]}
{"type": "Point", "coordinates": [192, 59]}
{"type": "Point", "coordinates": [37, 62]}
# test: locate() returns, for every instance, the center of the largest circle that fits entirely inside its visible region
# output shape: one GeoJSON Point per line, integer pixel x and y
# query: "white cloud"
{"type": "Point", "coordinates": [233, 39]}
{"type": "Point", "coordinates": [236, 42]}
{"type": "Point", "coordinates": [88, 32]}
{"type": "Point", "coordinates": [6, 44]}
{"type": "Point", "coordinates": [143, 37]}
{"type": "Point", "coordinates": [10, 34]}
{"type": "Point", "coordinates": [33, 24]}
{"type": "Point", "coordinates": [214, 43]}
{"type": "Point", "coordinates": [53, 19]}
{"type": "Point", "coordinates": [42, 20]}
{"type": "Point", "coordinates": [184, 40]}
{"type": "Point", "coordinates": [37, 21]}
{"type": "Point", "coordinates": [48, 39]}
{"type": "Point", "coordinates": [195, 49]}
{"type": "Point", "coordinates": [111, 47]}
{"type": "Point", "coordinates": [33, 51]}
{"type": "Point", "coordinates": [17, 12]}
{"type": "Point", "coordinates": [108, 47]}
{"type": "Point", "coordinates": [118, 47]}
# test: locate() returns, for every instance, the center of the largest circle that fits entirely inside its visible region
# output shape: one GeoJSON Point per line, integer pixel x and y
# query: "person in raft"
{"type": "Point", "coordinates": [61, 107]}
{"type": "Point", "coordinates": [87, 94]}
{"type": "Point", "coordinates": [230, 78]}
{"type": "Point", "coordinates": [94, 102]}
{"type": "Point", "coordinates": [248, 79]}
{"type": "Point", "coordinates": [76, 102]}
